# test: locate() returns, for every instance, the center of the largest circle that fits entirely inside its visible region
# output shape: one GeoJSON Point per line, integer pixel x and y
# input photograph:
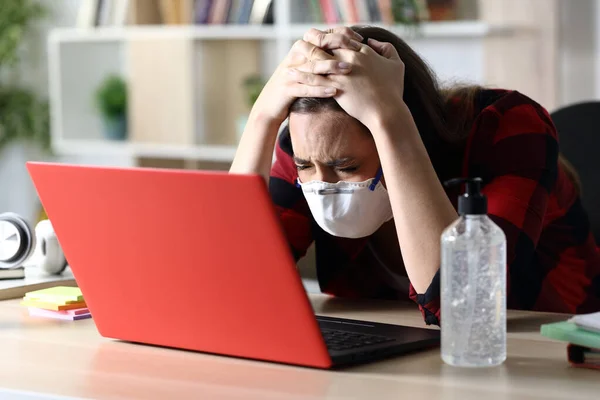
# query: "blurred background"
{"type": "Point", "coordinates": [169, 83]}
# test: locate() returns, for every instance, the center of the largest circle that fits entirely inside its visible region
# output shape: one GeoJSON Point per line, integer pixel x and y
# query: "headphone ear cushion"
{"type": "Point", "coordinates": [49, 255]}
{"type": "Point", "coordinates": [53, 261]}
{"type": "Point", "coordinates": [27, 240]}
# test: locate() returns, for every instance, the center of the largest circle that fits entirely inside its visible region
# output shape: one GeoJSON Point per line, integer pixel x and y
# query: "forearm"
{"type": "Point", "coordinates": [255, 150]}
{"type": "Point", "coordinates": [420, 205]}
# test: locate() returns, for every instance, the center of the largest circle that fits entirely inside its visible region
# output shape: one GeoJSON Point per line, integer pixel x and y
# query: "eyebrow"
{"type": "Point", "coordinates": [300, 161]}
{"type": "Point", "coordinates": [332, 163]}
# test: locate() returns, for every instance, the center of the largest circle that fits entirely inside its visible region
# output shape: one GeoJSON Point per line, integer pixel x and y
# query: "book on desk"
{"type": "Point", "coordinates": [12, 273]}
{"type": "Point", "coordinates": [582, 335]}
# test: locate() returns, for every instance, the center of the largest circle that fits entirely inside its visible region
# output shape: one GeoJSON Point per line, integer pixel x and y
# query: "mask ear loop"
{"type": "Point", "coordinates": [376, 180]}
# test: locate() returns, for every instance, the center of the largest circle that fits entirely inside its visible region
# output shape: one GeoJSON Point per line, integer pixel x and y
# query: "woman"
{"type": "Point", "coordinates": [365, 111]}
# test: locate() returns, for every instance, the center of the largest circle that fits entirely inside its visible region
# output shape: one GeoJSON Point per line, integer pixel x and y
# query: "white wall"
{"type": "Point", "coordinates": [62, 13]}
{"type": "Point", "coordinates": [579, 51]}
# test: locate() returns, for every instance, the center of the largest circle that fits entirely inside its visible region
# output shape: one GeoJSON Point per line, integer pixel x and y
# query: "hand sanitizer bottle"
{"type": "Point", "coordinates": [473, 284]}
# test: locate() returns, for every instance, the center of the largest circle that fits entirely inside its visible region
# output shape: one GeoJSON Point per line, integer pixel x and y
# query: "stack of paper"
{"type": "Point", "coordinates": [60, 302]}
{"type": "Point", "coordinates": [582, 333]}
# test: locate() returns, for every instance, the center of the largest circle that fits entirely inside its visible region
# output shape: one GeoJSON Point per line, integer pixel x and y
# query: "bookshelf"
{"type": "Point", "coordinates": [108, 34]}
{"type": "Point", "coordinates": [428, 30]}
{"type": "Point", "coordinates": [186, 117]}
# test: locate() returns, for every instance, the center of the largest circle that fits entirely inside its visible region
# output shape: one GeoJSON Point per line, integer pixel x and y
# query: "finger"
{"type": "Point", "coordinates": [308, 78]}
{"type": "Point", "coordinates": [329, 41]}
{"type": "Point", "coordinates": [301, 90]}
{"type": "Point", "coordinates": [296, 58]}
{"type": "Point", "coordinates": [326, 67]}
{"type": "Point", "coordinates": [342, 30]}
{"type": "Point", "coordinates": [348, 32]}
{"type": "Point", "coordinates": [347, 55]}
{"type": "Point", "coordinates": [310, 51]}
{"type": "Point", "coordinates": [384, 48]}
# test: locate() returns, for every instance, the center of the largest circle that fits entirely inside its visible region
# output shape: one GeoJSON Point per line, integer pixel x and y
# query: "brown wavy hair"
{"type": "Point", "coordinates": [443, 116]}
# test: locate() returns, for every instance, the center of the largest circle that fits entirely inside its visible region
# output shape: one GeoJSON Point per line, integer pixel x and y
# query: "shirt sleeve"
{"type": "Point", "coordinates": [289, 201]}
{"type": "Point", "coordinates": [514, 148]}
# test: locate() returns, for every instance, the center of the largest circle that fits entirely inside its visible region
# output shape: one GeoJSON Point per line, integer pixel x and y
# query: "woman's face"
{"type": "Point", "coordinates": [331, 146]}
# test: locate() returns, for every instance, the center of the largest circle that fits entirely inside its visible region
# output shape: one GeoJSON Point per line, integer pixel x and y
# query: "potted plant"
{"type": "Point", "coordinates": [111, 100]}
{"type": "Point", "coordinates": [409, 12]}
{"type": "Point", "coordinates": [253, 85]}
{"type": "Point", "coordinates": [24, 115]}
{"type": "Point", "coordinates": [24, 119]}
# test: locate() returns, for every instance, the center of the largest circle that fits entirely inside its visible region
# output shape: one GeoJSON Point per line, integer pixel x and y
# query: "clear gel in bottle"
{"type": "Point", "coordinates": [473, 284]}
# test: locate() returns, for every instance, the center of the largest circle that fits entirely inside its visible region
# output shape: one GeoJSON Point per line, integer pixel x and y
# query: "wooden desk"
{"type": "Point", "coordinates": [69, 358]}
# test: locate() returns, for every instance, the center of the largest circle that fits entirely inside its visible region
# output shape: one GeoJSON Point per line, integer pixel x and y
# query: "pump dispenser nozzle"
{"type": "Point", "coordinates": [472, 202]}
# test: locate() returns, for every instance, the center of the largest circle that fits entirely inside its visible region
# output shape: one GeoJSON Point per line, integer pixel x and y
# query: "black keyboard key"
{"type": "Point", "coordinates": [342, 340]}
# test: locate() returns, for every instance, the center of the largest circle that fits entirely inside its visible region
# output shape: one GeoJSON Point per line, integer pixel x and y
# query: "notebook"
{"type": "Point", "coordinates": [567, 331]}
{"type": "Point", "coordinates": [589, 322]}
{"type": "Point", "coordinates": [585, 357]}
{"type": "Point", "coordinates": [582, 334]}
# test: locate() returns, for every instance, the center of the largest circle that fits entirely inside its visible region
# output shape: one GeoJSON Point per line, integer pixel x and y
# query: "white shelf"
{"type": "Point", "coordinates": [205, 32]}
{"type": "Point", "coordinates": [445, 29]}
{"type": "Point", "coordinates": [214, 153]}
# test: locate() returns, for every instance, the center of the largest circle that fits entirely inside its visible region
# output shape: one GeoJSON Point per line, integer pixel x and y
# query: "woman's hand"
{"type": "Point", "coordinates": [305, 72]}
{"type": "Point", "coordinates": [373, 92]}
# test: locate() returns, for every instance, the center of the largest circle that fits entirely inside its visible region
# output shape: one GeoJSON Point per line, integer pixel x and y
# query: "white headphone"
{"type": "Point", "coordinates": [22, 246]}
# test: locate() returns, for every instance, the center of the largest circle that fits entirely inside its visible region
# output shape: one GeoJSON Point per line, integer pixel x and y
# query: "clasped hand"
{"type": "Point", "coordinates": [367, 81]}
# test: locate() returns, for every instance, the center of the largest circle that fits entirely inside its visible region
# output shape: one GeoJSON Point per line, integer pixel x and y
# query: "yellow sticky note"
{"type": "Point", "coordinates": [57, 294]}
{"type": "Point", "coordinates": [52, 306]}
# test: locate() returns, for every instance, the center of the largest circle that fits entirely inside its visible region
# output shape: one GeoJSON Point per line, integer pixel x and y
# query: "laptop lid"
{"type": "Point", "coordinates": [187, 259]}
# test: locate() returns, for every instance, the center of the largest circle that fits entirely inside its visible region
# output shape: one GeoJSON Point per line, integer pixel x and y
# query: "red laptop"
{"type": "Point", "coordinates": [197, 260]}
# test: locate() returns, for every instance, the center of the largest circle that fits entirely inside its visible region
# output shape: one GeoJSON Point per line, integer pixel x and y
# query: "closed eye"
{"type": "Point", "coordinates": [302, 167]}
{"type": "Point", "coordinates": [348, 169]}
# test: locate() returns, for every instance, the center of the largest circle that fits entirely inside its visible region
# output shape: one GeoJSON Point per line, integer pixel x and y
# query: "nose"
{"type": "Point", "coordinates": [325, 174]}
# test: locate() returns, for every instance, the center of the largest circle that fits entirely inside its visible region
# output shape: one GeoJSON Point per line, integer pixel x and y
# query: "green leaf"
{"type": "Point", "coordinates": [406, 12]}
{"type": "Point", "coordinates": [253, 85]}
{"type": "Point", "coordinates": [111, 96]}
{"type": "Point", "coordinates": [23, 115]}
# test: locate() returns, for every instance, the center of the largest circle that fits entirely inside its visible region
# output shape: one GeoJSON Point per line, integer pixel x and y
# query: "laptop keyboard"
{"type": "Point", "coordinates": [343, 340]}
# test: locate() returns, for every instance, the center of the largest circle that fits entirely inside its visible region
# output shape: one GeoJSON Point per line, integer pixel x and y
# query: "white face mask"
{"type": "Point", "coordinates": [348, 209]}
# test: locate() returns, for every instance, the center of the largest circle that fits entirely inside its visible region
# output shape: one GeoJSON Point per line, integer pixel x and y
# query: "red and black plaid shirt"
{"type": "Point", "coordinates": [553, 260]}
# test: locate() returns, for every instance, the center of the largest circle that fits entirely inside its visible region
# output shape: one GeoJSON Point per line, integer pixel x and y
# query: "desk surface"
{"type": "Point", "coordinates": [69, 358]}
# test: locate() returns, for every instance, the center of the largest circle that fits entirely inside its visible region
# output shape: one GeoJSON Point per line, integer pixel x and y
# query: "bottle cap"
{"type": "Point", "coordinates": [472, 202]}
